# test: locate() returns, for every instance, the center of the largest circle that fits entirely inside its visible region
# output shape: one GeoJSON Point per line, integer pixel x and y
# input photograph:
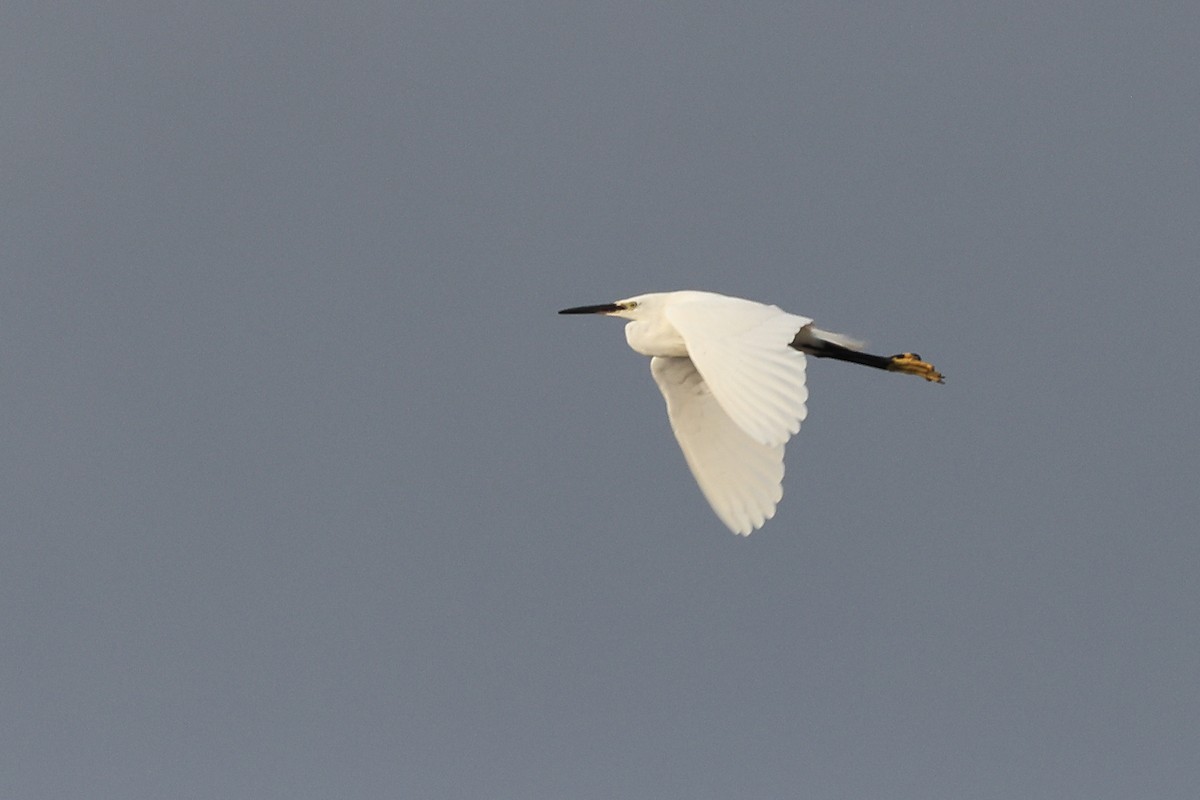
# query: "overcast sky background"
{"type": "Point", "coordinates": [307, 492]}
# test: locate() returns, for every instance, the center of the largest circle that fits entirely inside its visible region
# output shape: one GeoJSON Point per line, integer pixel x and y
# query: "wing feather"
{"type": "Point", "coordinates": [741, 478]}
{"type": "Point", "coordinates": [740, 348]}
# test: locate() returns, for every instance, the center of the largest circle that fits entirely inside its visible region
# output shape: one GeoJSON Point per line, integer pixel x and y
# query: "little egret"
{"type": "Point", "coordinates": [732, 373]}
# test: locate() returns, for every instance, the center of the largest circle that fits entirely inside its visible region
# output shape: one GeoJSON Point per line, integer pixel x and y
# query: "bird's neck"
{"type": "Point", "coordinates": [655, 338]}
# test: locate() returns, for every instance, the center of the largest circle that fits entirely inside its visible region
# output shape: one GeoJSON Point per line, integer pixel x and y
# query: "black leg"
{"type": "Point", "coordinates": [909, 363]}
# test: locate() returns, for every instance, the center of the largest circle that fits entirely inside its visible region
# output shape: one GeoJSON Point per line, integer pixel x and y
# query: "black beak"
{"type": "Point", "coordinates": [606, 308]}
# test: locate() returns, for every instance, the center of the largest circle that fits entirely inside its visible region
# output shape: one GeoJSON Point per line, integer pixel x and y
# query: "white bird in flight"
{"type": "Point", "coordinates": [732, 373]}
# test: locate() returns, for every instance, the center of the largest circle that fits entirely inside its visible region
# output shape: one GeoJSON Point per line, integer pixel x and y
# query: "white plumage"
{"type": "Point", "coordinates": [732, 372]}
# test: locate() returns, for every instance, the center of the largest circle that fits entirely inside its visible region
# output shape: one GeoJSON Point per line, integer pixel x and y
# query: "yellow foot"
{"type": "Point", "coordinates": [913, 365]}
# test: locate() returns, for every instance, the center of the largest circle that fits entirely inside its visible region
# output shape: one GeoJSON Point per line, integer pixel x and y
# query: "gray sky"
{"type": "Point", "coordinates": [308, 492]}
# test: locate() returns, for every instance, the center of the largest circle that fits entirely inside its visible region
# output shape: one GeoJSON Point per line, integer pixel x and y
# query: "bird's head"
{"type": "Point", "coordinates": [631, 308]}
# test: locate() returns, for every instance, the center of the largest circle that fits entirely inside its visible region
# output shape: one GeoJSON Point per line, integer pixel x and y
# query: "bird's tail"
{"type": "Point", "coordinates": [840, 339]}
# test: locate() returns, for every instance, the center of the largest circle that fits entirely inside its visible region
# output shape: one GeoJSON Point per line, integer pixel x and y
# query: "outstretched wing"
{"type": "Point", "coordinates": [741, 350]}
{"type": "Point", "coordinates": [741, 478]}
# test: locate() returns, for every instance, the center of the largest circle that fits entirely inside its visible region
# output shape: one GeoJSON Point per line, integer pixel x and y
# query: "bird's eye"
{"type": "Point", "coordinates": [631, 304]}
